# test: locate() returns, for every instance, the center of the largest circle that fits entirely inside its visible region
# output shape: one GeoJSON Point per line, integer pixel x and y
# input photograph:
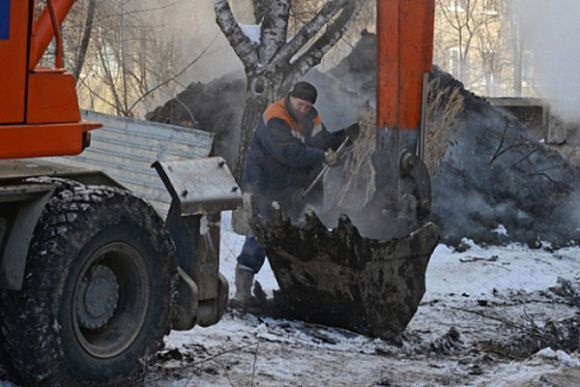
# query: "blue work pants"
{"type": "Point", "coordinates": [252, 255]}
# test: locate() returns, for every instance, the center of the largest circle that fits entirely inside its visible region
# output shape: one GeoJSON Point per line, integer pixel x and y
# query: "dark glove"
{"type": "Point", "coordinates": [352, 131]}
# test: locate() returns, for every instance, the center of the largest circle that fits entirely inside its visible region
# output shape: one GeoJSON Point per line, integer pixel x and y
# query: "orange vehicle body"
{"type": "Point", "coordinates": [39, 112]}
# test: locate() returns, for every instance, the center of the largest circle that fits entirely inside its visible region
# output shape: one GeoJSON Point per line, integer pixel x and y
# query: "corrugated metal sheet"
{"type": "Point", "coordinates": [125, 149]}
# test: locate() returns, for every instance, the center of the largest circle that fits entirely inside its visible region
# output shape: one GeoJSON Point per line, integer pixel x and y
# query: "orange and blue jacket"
{"type": "Point", "coordinates": [285, 153]}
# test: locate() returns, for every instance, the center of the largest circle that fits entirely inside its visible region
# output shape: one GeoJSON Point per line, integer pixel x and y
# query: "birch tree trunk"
{"type": "Point", "coordinates": [87, 30]}
{"type": "Point", "coordinates": [260, 91]}
{"type": "Point", "coordinates": [275, 61]}
{"type": "Point", "coordinates": [516, 44]}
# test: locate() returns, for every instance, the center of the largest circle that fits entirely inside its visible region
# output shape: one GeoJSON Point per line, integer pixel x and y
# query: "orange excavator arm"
{"type": "Point", "coordinates": [405, 56]}
{"type": "Point", "coordinates": [405, 47]}
{"type": "Point", "coordinates": [39, 112]}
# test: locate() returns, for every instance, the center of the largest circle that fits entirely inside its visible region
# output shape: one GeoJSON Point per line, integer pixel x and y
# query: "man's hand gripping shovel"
{"type": "Point", "coordinates": [332, 158]}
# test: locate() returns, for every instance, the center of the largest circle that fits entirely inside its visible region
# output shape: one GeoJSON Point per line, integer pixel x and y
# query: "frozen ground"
{"type": "Point", "coordinates": [489, 318]}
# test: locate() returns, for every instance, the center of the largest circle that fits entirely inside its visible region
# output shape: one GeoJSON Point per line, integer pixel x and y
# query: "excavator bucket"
{"type": "Point", "coordinates": [366, 275]}
{"type": "Point", "coordinates": [340, 278]}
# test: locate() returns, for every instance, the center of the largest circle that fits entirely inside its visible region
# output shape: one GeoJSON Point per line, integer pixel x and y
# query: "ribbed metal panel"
{"type": "Point", "coordinates": [125, 148]}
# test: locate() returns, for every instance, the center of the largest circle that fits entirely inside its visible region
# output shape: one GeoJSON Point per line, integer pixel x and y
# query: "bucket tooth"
{"type": "Point", "coordinates": [346, 229]}
{"type": "Point", "coordinates": [279, 217]}
{"type": "Point", "coordinates": [312, 222]}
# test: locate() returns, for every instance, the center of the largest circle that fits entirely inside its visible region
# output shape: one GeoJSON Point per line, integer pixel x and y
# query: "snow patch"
{"type": "Point", "coordinates": [481, 271]}
{"type": "Point", "coordinates": [468, 242]}
{"type": "Point", "coordinates": [252, 31]}
{"type": "Point", "coordinates": [501, 230]}
{"type": "Point", "coordinates": [559, 356]}
{"type": "Point", "coordinates": [531, 371]}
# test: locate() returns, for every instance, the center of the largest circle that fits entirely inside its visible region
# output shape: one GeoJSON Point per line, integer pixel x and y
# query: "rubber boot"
{"type": "Point", "coordinates": [244, 282]}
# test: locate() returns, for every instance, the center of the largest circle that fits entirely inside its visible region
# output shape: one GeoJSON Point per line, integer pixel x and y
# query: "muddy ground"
{"type": "Point", "coordinates": [494, 316]}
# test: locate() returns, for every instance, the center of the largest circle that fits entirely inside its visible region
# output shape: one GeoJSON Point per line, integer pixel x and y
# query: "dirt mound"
{"type": "Point", "coordinates": [492, 181]}
{"type": "Point", "coordinates": [215, 107]}
{"type": "Point", "coordinates": [496, 183]}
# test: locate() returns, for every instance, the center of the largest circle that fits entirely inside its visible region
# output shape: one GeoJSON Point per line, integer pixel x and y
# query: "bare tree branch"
{"type": "Point", "coordinates": [82, 51]}
{"type": "Point", "coordinates": [333, 34]}
{"type": "Point", "coordinates": [173, 77]}
{"type": "Point", "coordinates": [255, 361]}
{"type": "Point", "coordinates": [274, 29]}
{"type": "Point", "coordinates": [143, 10]}
{"type": "Point", "coordinates": [309, 30]}
{"type": "Point", "coordinates": [244, 48]}
{"type": "Point", "coordinates": [109, 81]}
{"type": "Point", "coordinates": [96, 95]}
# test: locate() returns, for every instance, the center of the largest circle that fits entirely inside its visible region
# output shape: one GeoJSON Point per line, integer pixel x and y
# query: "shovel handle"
{"type": "Point", "coordinates": [326, 166]}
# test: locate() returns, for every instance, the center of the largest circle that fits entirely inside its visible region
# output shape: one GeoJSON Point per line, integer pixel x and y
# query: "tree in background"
{"type": "Point", "coordinates": [124, 54]}
{"type": "Point", "coordinates": [490, 49]}
{"type": "Point", "coordinates": [516, 43]}
{"type": "Point", "coordinates": [274, 56]}
{"type": "Point", "coordinates": [481, 42]}
{"type": "Point", "coordinates": [460, 23]}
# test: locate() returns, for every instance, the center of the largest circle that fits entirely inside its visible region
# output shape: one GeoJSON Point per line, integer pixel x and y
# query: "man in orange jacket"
{"type": "Point", "coordinates": [289, 144]}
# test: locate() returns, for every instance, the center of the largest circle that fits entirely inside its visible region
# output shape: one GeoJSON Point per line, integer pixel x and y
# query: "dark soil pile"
{"type": "Point", "coordinates": [494, 174]}
{"type": "Point", "coordinates": [215, 107]}
{"type": "Point", "coordinates": [492, 181]}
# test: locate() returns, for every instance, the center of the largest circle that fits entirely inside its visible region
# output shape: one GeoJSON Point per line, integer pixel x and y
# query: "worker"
{"type": "Point", "coordinates": [288, 147]}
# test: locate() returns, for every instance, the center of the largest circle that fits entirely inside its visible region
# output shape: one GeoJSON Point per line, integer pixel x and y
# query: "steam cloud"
{"type": "Point", "coordinates": [550, 30]}
{"type": "Point", "coordinates": [191, 27]}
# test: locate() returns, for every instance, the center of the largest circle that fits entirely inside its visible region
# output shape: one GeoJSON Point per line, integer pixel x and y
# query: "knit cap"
{"type": "Point", "coordinates": [305, 91]}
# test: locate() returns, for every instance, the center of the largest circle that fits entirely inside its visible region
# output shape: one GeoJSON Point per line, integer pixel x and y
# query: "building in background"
{"type": "Point", "coordinates": [481, 43]}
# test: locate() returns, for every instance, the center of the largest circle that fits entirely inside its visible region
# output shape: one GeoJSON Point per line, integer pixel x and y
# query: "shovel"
{"type": "Point", "coordinates": [325, 169]}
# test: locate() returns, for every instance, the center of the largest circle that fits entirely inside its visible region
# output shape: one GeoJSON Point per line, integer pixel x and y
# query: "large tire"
{"type": "Point", "coordinates": [97, 296]}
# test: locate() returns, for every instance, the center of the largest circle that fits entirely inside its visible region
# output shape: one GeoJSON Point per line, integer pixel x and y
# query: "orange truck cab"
{"type": "Point", "coordinates": [39, 112]}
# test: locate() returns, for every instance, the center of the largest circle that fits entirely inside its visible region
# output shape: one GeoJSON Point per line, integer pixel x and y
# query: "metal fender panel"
{"type": "Point", "coordinates": [204, 186]}
{"type": "Point", "coordinates": [29, 201]}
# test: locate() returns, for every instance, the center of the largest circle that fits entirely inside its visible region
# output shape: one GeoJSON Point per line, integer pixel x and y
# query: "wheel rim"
{"type": "Point", "coordinates": [111, 300]}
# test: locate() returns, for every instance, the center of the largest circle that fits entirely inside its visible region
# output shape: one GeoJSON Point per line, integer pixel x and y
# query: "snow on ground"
{"type": "Point", "coordinates": [230, 246]}
{"type": "Point", "coordinates": [478, 270]}
{"type": "Point", "coordinates": [491, 296]}
{"type": "Point", "coordinates": [483, 309]}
